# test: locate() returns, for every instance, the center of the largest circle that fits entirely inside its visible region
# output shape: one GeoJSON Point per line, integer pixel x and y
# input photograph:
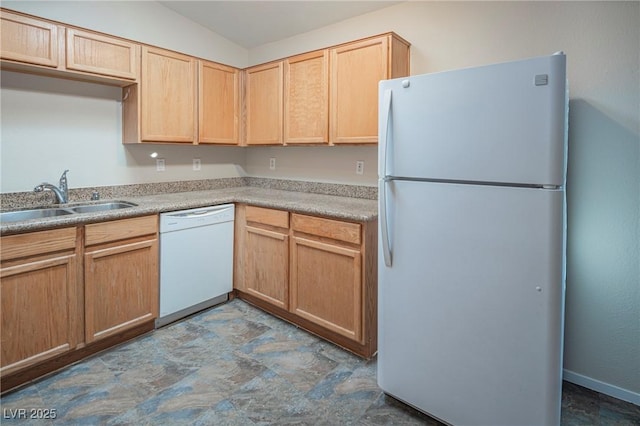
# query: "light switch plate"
{"type": "Point", "coordinates": [159, 164]}
{"type": "Point", "coordinates": [272, 163]}
{"type": "Point", "coordinates": [197, 164]}
{"type": "Point", "coordinates": [359, 167]}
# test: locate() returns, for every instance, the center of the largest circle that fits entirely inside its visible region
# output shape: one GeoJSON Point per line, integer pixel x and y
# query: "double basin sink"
{"type": "Point", "coordinates": [20, 215]}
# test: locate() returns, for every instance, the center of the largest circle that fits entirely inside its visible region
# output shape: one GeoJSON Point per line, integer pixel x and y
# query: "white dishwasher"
{"type": "Point", "coordinates": [196, 260]}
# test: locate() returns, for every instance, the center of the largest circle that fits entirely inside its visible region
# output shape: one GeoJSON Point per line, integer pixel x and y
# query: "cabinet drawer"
{"type": "Point", "coordinates": [277, 218]}
{"type": "Point", "coordinates": [335, 229]}
{"type": "Point", "coordinates": [98, 233]}
{"type": "Point", "coordinates": [34, 243]}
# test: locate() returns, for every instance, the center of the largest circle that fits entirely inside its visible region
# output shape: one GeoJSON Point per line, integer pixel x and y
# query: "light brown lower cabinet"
{"type": "Point", "coordinates": [318, 273]}
{"type": "Point", "coordinates": [263, 258]}
{"type": "Point", "coordinates": [120, 275]}
{"type": "Point", "coordinates": [326, 285]}
{"type": "Point", "coordinates": [266, 254]}
{"type": "Point", "coordinates": [71, 292]}
{"type": "Point", "coordinates": [39, 279]}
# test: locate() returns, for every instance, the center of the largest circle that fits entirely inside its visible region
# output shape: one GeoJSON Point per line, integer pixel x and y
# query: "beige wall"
{"type": "Point", "coordinates": [602, 43]}
{"type": "Point", "coordinates": [333, 164]}
{"type": "Point", "coordinates": [48, 125]}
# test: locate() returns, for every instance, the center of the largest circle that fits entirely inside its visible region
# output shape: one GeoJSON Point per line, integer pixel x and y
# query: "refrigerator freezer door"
{"type": "Point", "coordinates": [497, 123]}
{"type": "Point", "coordinates": [470, 313]}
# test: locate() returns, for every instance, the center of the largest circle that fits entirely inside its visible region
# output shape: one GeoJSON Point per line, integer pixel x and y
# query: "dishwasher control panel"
{"type": "Point", "coordinates": [202, 216]}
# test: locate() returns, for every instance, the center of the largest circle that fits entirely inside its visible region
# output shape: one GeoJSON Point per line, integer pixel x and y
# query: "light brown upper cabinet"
{"type": "Point", "coordinates": [28, 40]}
{"type": "Point", "coordinates": [98, 54]}
{"type": "Point", "coordinates": [306, 98]}
{"type": "Point", "coordinates": [356, 69]}
{"type": "Point", "coordinates": [167, 99]}
{"type": "Point", "coordinates": [263, 103]}
{"type": "Point", "coordinates": [218, 103]}
{"type": "Point", "coordinates": [330, 95]}
{"type": "Point", "coordinates": [40, 46]}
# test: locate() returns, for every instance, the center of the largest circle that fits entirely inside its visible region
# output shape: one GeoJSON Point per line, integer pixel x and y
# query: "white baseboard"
{"type": "Point", "coordinates": [602, 387]}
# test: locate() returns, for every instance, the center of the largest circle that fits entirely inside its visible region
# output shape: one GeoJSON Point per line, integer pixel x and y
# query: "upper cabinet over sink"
{"type": "Point", "coordinates": [30, 41]}
{"type": "Point", "coordinates": [98, 54]}
{"type": "Point", "coordinates": [52, 49]}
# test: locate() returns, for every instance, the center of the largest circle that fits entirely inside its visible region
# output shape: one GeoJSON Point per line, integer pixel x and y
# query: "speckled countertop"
{"type": "Point", "coordinates": [339, 207]}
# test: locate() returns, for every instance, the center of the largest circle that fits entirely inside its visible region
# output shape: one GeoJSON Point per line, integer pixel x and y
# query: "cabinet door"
{"type": "Point", "coordinates": [306, 98]}
{"type": "Point", "coordinates": [326, 286]}
{"type": "Point", "coordinates": [38, 297]}
{"type": "Point", "coordinates": [38, 300]}
{"type": "Point", "coordinates": [168, 96]}
{"type": "Point", "coordinates": [30, 40]}
{"type": "Point", "coordinates": [356, 69]}
{"type": "Point", "coordinates": [218, 103]}
{"type": "Point", "coordinates": [267, 265]}
{"type": "Point", "coordinates": [264, 104]}
{"type": "Point", "coordinates": [98, 54]}
{"type": "Point", "coordinates": [121, 288]}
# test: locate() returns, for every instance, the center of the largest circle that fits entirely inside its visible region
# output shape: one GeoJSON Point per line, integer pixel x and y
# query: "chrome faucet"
{"type": "Point", "coordinates": [61, 191]}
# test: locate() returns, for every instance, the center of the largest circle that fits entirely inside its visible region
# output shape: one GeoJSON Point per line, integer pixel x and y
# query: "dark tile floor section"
{"type": "Point", "coordinates": [236, 365]}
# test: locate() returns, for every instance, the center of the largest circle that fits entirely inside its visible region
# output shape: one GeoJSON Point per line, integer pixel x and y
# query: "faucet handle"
{"type": "Point", "coordinates": [63, 180]}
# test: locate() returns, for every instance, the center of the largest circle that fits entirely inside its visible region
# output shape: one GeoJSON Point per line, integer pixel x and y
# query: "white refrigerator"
{"type": "Point", "coordinates": [472, 169]}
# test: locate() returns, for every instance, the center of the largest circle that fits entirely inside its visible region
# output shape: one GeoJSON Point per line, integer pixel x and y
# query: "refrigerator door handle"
{"type": "Point", "coordinates": [384, 226]}
{"type": "Point", "coordinates": [382, 174]}
{"type": "Point", "coordinates": [386, 106]}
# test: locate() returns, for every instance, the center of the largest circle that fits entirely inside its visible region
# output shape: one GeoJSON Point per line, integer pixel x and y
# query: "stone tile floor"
{"type": "Point", "coordinates": [236, 365]}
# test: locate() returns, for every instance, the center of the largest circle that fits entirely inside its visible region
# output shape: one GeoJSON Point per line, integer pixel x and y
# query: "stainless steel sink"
{"type": "Point", "coordinates": [20, 215]}
{"type": "Point", "coordinates": [17, 216]}
{"type": "Point", "coordinates": [92, 208]}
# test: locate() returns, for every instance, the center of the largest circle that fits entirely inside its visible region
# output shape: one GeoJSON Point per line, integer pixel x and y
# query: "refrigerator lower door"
{"type": "Point", "coordinates": [471, 310]}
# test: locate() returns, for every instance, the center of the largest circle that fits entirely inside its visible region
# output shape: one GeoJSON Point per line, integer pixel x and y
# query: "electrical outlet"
{"type": "Point", "coordinates": [272, 163]}
{"type": "Point", "coordinates": [196, 164]}
{"type": "Point", "coordinates": [159, 164]}
{"type": "Point", "coordinates": [359, 167]}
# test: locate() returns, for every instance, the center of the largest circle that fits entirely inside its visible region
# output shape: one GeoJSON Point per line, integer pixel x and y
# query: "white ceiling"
{"type": "Point", "coordinates": [254, 23]}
